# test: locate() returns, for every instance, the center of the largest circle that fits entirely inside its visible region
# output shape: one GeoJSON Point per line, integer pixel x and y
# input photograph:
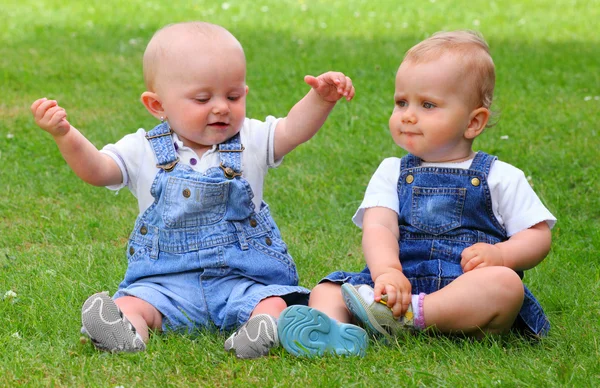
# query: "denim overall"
{"type": "Point", "coordinates": [201, 254]}
{"type": "Point", "coordinates": [442, 212]}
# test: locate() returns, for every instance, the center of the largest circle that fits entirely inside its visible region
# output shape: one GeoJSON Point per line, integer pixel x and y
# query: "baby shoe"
{"type": "Point", "coordinates": [375, 317]}
{"type": "Point", "coordinates": [254, 338]}
{"type": "Point", "coordinates": [304, 331]}
{"type": "Point", "coordinates": [107, 327]}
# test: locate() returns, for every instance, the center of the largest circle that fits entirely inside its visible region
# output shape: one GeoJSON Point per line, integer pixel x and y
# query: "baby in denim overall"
{"type": "Point", "coordinates": [447, 232]}
{"type": "Point", "coordinates": [204, 250]}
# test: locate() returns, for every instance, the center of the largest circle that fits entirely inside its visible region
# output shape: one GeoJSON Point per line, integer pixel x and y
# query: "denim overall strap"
{"type": "Point", "coordinates": [409, 161]}
{"type": "Point", "coordinates": [482, 162]}
{"type": "Point", "coordinates": [163, 147]}
{"type": "Point", "coordinates": [230, 157]}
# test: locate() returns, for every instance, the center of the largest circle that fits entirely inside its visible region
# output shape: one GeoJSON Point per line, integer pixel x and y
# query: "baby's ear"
{"type": "Point", "coordinates": [152, 103]}
{"type": "Point", "coordinates": [477, 122]}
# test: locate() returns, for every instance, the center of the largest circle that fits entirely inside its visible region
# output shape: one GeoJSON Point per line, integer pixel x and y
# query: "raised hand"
{"type": "Point", "coordinates": [50, 117]}
{"type": "Point", "coordinates": [331, 86]}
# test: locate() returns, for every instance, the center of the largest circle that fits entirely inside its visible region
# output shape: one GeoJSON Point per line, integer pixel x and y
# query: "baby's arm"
{"type": "Point", "coordinates": [380, 247]}
{"type": "Point", "coordinates": [523, 250]}
{"type": "Point", "coordinates": [81, 155]}
{"type": "Point", "coordinates": [309, 114]}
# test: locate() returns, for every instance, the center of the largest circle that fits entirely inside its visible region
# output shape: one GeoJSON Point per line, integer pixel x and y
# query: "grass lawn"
{"type": "Point", "coordinates": [62, 240]}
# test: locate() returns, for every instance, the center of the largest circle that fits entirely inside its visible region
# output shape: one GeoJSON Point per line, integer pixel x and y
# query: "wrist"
{"type": "Point", "coordinates": [376, 272]}
{"type": "Point", "coordinates": [500, 256]}
{"type": "Point", "coordinates": [322, 100]}
{"type": "Point", "coordinates": [60, 133]}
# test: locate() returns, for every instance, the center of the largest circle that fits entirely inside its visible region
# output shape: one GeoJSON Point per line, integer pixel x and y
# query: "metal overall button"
{"type": "Point", "coordinates": [229, 172]}
{"type": "Point", "coordinates": [410, 179]}
{"type": "Point", "coordinates": [475, 182]}
{"type": "Point", "coordinates": [186, 193]}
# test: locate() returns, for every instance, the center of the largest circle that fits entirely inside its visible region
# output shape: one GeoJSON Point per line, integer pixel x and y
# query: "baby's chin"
{"type": "Point", "coordinates": [220, 135]}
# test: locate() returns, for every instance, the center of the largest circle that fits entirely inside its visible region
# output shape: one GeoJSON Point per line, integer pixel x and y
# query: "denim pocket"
{"type": "Point", "coordinates": [437, 210]}
{"type": "Point", "coordinates": [136, 252]}
{"type": "Point", "coordinates": [273, 247]}
{"type": "Point", "coordinates": [191, 203]}
{"type": "Point", "coordinates": [282, 269]}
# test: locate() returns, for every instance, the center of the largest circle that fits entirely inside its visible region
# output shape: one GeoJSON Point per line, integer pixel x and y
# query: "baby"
{"type": "Point", "coordinates": [204, 249]}
{"type": "Point", "coordinates": [447, 231]}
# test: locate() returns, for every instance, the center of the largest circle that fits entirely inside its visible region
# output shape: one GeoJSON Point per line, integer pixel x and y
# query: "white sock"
{"type": "Point", "coordinates": [415, 305]}
{"type": "Point", "coordinates": [367, 294]}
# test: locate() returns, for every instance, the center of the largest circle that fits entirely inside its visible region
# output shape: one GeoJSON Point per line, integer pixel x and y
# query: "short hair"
{"type": "Point", "coordinates": [165, 39]}
{"type": "Point", "coordinates": [471, 48]}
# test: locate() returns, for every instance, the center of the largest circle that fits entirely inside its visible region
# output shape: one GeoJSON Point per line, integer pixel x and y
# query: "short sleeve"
{"type": "Point", "coordinates": [129, 153]}
{"type": "Point", "coordinates": [260, 135]}
{"type": "Point", "coordinates": [519, 207]}
{"type": "Point", "coordinates": [382, 190]}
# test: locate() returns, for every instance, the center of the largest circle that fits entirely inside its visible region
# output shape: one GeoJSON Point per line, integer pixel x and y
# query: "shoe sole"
{"type": "Point", "coordinates": [255, 338]}
{"type": "Point", "coordinates": [360, 310]}
{"type": "Point", "coordinates": [103, 322]}
{"type": "Point", "coordinates": [304, 331]}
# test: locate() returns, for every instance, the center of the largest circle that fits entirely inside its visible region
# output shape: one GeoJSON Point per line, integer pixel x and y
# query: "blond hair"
{"type": "Point", "coordinates": [472, 49]}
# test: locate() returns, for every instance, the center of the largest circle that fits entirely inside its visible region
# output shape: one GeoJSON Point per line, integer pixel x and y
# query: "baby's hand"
{"type": "Point", "coordinates": [331, 86]}
{"type": "Point", "coordinates": [50, 117]}
{"type": "Point", "coordinates": [396, 286]}
{"type": "Point", "coordinates": [480, 255]}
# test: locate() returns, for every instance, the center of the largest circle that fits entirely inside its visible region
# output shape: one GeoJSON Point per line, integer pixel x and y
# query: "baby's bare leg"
{"type": "Point", "coordinates": [485, 300]}
{"type": "Point", "coordinates": [327, 298]}
{"type": "Point", "coordinates": [272, 305]}
{"type": "Point", "coordinates": [141, 314]}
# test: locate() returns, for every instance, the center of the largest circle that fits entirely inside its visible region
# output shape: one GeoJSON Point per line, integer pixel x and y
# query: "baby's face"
{"type": "Point", "coordinates": [203, 94]}
{"type": "Point", "coordinates": [432, 109]}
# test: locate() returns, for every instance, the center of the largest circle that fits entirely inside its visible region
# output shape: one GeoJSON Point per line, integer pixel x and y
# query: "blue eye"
{"type": "Point", "coordinates": [202, 100]}
{"type": "Point", "coordinates": [428, 105]}
{"type": "Point", "coordinates": [401, 103]}
{"type": "Point", "coordinates": [233, 98]}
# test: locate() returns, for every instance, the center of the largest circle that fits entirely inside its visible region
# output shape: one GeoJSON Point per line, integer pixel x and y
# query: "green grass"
{"type": "Point", "coordinates": [61, 240]}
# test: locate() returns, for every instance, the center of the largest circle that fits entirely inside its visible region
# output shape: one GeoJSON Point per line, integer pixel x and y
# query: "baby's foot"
{"type": "Point", "coordinates": [254, 338]}
{"type": "Point", "coordinates": [375, 317]}
{"type": "Point", "coordinates": [305, 331]}
{"type": "Point", "coordinates": [107, 327]}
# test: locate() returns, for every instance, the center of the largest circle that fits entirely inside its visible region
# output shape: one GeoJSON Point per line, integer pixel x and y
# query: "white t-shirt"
{"type": "Point", "coordinates": [515, 204]}
{"type": "Point", "coordinates": [137, 161]}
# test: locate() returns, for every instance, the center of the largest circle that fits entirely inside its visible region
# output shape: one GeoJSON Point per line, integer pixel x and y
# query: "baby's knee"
{"type": "Point", "coordinates": [508, 285]}
{"type": "Point", "coordinates": [270, 305]}
{"type": "Point", "coordinates": [324, 291]}
{"type": "Point", "coordinates": [506, 298]}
